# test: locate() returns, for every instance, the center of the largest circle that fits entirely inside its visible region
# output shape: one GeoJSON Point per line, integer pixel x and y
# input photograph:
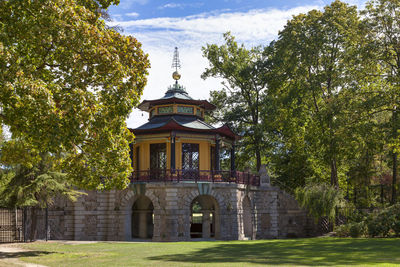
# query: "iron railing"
{"type": "Point", "coordinates": [164, 175]}
{"type": "Point", "coordinates": [12, 225]}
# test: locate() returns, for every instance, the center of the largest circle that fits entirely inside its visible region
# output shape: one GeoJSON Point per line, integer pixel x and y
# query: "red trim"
{"type": "Point", "coordinates": [174, 126]}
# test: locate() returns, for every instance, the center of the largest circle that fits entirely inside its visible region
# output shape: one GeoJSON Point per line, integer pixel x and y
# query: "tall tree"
{"type": "Point", "coordinates": [244, 73]}
{"type": "Point", "coordinates": [382, 19]}
{"type": "Point", "coordinates": [67, 85]}
{"type": "Point", "coordinates": [315, 70]}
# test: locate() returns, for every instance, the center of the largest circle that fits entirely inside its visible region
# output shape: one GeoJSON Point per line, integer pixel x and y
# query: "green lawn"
{"type": "Point", "coordinates": [313, 251]}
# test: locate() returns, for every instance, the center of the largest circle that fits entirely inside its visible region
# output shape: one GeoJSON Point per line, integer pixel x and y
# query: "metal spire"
{"type": "Point", "coordinates": [176, 64]}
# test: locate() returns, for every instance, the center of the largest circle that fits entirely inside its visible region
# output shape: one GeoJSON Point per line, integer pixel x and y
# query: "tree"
{"type": "Point", "coordinates": [35, 186]}
{"type": "Point", "coordinates": [321, 200]}
{"type": "Point", "coordinates": [382, 21]}
{"type": "Point", "coordinates": [315, 67]}
{"type": "Point", "coordinates": [67, 84]}
{"type": "Point", "coordinates": [239, 103]}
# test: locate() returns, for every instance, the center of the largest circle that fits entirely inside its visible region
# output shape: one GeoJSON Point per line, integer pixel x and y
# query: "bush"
{"type": "Point", "coordinates": [357, 229]}
{"type": "Point", "coordinates": [320, 200]}
{"type": "Point", "coordinates": [343, 230]}
{"type": "Point", "coordinates": [378, 224]}
{"type": "Point", "coordinates": [394, 213]}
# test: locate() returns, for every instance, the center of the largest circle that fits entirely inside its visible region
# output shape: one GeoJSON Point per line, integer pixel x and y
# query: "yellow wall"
{"type": "Point", "coordinates": [144, 160]}
{"type": "Point", "coordinates": [205, 142]}
{"type": "Point", "coordinates": [204, 152]}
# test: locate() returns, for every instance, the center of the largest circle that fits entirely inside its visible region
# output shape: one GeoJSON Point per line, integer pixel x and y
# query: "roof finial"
{"type": "Point", "coordinates": [175, 65]}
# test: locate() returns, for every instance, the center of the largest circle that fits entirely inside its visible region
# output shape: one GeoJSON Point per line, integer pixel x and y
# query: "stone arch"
{"type": "Point", "coordinates": [142, 224]}
{"type": "Point", "coordinates": [204, 217]}
{"type": "Point", "coordinates": [130, 198]}
{"type": "Point", "coordinates": [126, 205]}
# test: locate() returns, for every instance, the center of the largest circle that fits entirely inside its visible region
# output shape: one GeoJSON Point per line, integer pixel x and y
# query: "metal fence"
{"type": "Point", "coordinates": [12, 223]}
{"type": "Point", "coordinates": [16, 224]}
{"type": "Point", "coordinates": [165, 175]}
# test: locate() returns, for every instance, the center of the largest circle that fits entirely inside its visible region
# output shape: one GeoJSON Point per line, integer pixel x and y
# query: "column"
{"type": "Point", "coordinates": [233, 167]}
{"type": "Point", "coordinates": [217, 142]}
{"type": "Point", "coordinates": [142, 223]}
{"type": "Point", "coordinates": [173, 152]}
{"type": "Point", "coordinates": [131, 154]}
{"type": "Point", "coordinates": [206, 229]}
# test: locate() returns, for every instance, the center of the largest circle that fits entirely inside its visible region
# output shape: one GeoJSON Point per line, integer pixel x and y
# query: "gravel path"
{"type": "Point", "coordinates": [9, 256]}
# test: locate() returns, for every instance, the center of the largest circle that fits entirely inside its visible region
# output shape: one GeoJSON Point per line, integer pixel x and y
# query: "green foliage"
{"type": "Point", "coordinates": [314, 70]}
{"type": "Point", "coordinates": [67, 84]}
{"type": "Point", "coordinates": [342, 230]}
{"type": "Point", "coordinates": [383, 223]}
{"type": "Point", "coordinates": [382, 24]}
{"type": "Point", "coordinates": [35, 186]}
{"type": "Point", "coordinates": [357, 229]}
{"type": "Point", "coordinates": [378, 226]}
{"type": "Point", "coordinates": [241, 102]}
{"type": "Point", "coordinates": [320, 200]}
{"type": "Point", "coordinates": [353, 229]}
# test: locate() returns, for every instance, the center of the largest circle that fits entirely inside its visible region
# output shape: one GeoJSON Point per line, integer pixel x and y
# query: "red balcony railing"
{"type": "Point", "coordinates": [161, 175]}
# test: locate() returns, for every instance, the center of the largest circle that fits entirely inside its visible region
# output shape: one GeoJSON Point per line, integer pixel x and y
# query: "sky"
{"type": "Point", "coordinates": [190, 25]}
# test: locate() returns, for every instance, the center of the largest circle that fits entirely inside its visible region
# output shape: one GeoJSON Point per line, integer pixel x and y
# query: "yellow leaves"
{"type": "Point", "coordinates": [19, 152]}
{"type": "Point", "coordinates": [70, 85]}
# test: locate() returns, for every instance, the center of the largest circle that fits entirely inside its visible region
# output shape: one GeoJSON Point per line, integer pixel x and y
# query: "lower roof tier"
{"type": "Point", "coordinates": [183, 123]}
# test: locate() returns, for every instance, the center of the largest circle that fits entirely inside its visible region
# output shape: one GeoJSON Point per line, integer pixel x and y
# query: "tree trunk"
{"type": "Point", "coordinates": [394, 157]}
{"type": "Point", "coordinates": [394, 180]}
{"type": "Point", "coordinates": [258, 159]}
{"type": "Point", "coordinates": [334, 177]}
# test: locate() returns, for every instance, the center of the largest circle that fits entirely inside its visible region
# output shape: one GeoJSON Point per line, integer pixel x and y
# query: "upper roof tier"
{"type": "Point", "coordinates": [176, 94]}
{"type": "Point", "coordinates": [177, 111]}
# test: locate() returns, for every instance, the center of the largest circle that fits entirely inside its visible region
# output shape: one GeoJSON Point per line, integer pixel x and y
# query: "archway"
{"type": "Point", "coordinates": [204, 221]}
{"type": "Point", "coordinates": [142, 218]}
{"type": "Point", "coordinates": [247, 218]}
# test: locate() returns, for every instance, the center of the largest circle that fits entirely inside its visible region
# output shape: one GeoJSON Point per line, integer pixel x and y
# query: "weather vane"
{"type": "Point", "coordinates": [175, 65]}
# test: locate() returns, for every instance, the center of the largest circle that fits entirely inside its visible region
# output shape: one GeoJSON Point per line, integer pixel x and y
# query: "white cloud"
{"type": "Point", "coordinates": [181, 6]}
{"type": "Point", "coordinates": [159, 36]}
{"type": "Point", "coordinates": [254, 26]}
{"type": "Point", "coordinates": [171, 5]}
{"type": "Point", "coordinates": [132, 14]}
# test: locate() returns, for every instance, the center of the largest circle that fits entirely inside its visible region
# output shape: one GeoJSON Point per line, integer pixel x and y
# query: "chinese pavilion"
{"type": "Point", "coordinates": [178, 145]}
{"type": "Point", "coordinates": [178, 191]}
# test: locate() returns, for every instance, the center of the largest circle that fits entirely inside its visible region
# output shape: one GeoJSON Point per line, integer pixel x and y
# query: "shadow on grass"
{"type": "Point", "coordinates": [9, 255]}
{"type": "Point", "coordinates": [318, 251]}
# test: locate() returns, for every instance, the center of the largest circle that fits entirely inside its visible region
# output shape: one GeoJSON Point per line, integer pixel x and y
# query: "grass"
{"type": "Point", "coordinates": [312, 251]}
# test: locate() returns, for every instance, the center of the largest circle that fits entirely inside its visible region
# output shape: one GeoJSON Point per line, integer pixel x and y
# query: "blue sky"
{"type": "Point", "coordinates": [190, 25]}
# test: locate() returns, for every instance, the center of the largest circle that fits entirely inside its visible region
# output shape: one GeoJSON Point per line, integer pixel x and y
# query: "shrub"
{"type": "Point", "coordinates": [320, 200]}
{"type": "Point", "coordinates": [382, 224]}
{"type": "Point", "coordinates": [357, 229]}
{"type": "Point", "coordinates": [343, 230]}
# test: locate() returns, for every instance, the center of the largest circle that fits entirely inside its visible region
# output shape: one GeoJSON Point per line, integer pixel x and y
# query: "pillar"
{"type": "Point", "coordinates": [142, 224]}
{"type": "Point", "coordinates": [173, 152]}
{"type": "Point", "coordinates": [217, 142]}
{"type": "Point", "coordinates": [233, 167]}
{"type": "Point", "coordinates": [131, 154]}
{"type": "Point", "coordinates": [206, 227]}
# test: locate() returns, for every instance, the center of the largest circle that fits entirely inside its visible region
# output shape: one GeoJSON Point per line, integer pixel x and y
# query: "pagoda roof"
{"type": "Point", "coordinates": [175, 94]}
{"type": "Point", "coordinates": [183, 123]}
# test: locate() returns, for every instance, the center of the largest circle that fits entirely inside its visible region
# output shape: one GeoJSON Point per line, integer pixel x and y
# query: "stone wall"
{"type": "Point", "coordinates": [108, 215]}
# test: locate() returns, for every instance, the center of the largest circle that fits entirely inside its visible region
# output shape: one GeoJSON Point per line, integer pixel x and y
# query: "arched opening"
{"type": "Point", "coordinates": [247, 218]}
{"type": "Point", "coordinates": [204, 221]}
{"type": "Point", "coordinates": [142, 218]}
